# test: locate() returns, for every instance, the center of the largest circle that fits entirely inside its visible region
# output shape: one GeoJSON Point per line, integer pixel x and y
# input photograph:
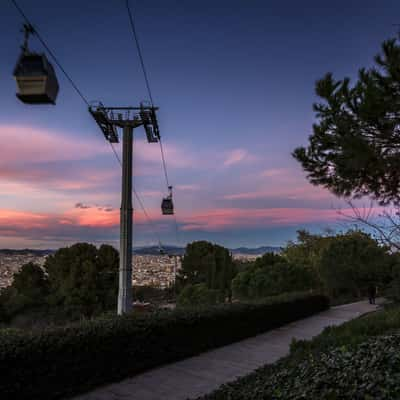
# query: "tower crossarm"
{"type": "Point", "coordinates": [111, 118]}
{"type": "Point", "coordinates": [108, 128]}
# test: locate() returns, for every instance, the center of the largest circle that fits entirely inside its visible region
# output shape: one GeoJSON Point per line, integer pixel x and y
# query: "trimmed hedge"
{"type": "Point", "coordinates": [63, 361]}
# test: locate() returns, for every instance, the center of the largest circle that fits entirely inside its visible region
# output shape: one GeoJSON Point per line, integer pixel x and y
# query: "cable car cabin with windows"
{"type": "Point", "coordinates": [167, 206]}
{"type": "Point", "coordinates": [36, 79]}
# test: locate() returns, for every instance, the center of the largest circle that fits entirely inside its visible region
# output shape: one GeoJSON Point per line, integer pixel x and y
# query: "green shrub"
{"type": "Point", "coordinates": [197, 296]}
{"type": "Point", "coordinates": [63, 361]}
{"type": "Point", "coordinates": [370, 370]}
{"type": "Point", "coordinates": [270, 275]}
{"type": "Point", "coordinates": [28, 291]}
{"type": "Point", "coordinates": [393, 290]}
{"type": "Point", "coordinates": [284, 297]}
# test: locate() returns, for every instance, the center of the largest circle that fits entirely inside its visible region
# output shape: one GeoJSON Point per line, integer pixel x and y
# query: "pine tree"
{"type": "Point", "coordinates": [355, 146]}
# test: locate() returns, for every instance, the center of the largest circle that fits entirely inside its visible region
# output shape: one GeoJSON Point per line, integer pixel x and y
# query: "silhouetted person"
{"type": "Point", "coordinates": [371, 294]}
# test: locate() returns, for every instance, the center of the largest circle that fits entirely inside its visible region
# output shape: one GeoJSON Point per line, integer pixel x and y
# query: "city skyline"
{"type": "Point", "coordinates": [235, 99]}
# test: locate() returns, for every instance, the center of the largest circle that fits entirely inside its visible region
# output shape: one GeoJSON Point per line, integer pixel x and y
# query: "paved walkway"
{"type": "Point", "coordinates": [202, 374]}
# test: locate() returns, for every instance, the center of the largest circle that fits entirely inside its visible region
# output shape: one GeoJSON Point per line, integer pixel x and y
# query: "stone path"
{"type": "Point", "coordinates": [202, 374]}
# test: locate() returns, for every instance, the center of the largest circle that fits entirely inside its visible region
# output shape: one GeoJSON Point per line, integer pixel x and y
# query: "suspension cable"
{"type": "Point", "coordinates": [132, 23]}
{"type": "Point", "coordinates": [84, 99]}
{"type": "Point", "coordinates": [146, 78]}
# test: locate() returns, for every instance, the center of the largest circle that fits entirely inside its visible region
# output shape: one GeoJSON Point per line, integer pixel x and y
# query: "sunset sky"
{"type": "Point", "coordinates": [234, 81]}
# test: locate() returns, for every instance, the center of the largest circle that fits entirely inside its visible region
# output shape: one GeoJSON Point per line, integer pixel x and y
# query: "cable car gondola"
{"type": "Point", "coordinates": [167, 206]}
{"type": "Point", "coordinates": [36, 80]}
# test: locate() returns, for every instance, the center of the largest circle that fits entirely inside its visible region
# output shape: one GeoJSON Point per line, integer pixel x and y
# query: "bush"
{"type": "Point", "coordinates": [270, 275]}
{"type": "Point", "coordinates": [28, 291]}
{"type": "Point", "coordinates": [153, 294]}
{"type": "Point", "coordinates": [197, 296]}
{"type": "Point", "coordinates": [370, 370]}
{"type": "Point", "coordinates": [64, 361]}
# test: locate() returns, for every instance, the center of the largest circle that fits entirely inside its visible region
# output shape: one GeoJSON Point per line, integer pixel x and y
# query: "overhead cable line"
{"type": "Point", "coordinates": [84, 99]}
{"type": "Point", "coordinates": [132, 23]}
{"type": "Point", "coordinates": [146, 78]}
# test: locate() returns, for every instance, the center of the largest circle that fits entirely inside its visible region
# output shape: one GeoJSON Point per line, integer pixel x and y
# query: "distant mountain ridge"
{"type": "Point", "coordinates": [153, 250]}
{"type": "Point", "coordinates": [257, 250]}
{"type": "Point", "coordinates": [16, 252]}
{"type": "Point", "coordinates": [174, 250]}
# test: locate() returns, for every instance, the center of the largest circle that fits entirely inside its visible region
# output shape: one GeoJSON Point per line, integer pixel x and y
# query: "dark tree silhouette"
{"type": "Point", "coordinates": [355, 146]}
{"type": "Point", "coordinates": [209, 264]}
{"type": "Point", "coordinates": [83, 280]}
{"type": "Point", "coordinates": [28, 290]}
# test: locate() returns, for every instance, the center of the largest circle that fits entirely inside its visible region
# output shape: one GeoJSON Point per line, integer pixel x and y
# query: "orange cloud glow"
{"type": "Point", "coordinates": [11, 219]}
{"type": "Point", "coordinates": [95, 217]}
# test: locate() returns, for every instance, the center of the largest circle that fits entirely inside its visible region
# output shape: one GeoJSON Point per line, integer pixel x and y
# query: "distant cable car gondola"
{"type": "Point", "coordinates": [36, 80]}
{"type": "Point", "coordinates": [167, 206]}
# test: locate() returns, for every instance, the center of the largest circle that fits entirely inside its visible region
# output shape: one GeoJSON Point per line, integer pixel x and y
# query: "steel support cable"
{"type": "Point", "coordinates": [84, 99]}
{"type": "Point", "coordinates": [146, 78]}
{"type": "Point", "coordinates": [132, 23]}
{"type": "Point", "coordinates": [164, 163]}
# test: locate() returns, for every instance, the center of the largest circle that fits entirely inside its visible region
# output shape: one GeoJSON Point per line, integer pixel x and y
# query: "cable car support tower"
{"type": "Point", "coordinates": [110, 119]}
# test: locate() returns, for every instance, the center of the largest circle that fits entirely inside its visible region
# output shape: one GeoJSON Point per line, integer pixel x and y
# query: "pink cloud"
{"type": "Point", "coordinates": [246, 195]}
{"type": "Point", "coordinates": [237, 156]}
{"type": "Point", "coordinates": [26, 152]}
{"type": "Point", "coordinates": [306, 192]}
{"type": "Point", "coordinates": [92, 217]}
{"type": "Point", "coordinates": [73, 177]}
{"type": "Point", "coordinates": [187, 188]}
{"type": "Point", "coordinates": [231, 218]}
{"type": "Point", "coordinates": [12, 219]}
{"type": "Point", "coordinates": [97, 223]}
{"type": "Point", "coordinates": [151, 193]}
{"type": "Point", "coordinates": [25, 143]}
{"type": "Point", "coordinates": [100, 217]}
{"type": "Point", "coordinates": [176, 157]}
{"type": "Point", "coordinates": [273, 172]}
{"type": "Point", "coordinates": [17, 223]}
{"type": "Point", "coordinates": [72, 225]}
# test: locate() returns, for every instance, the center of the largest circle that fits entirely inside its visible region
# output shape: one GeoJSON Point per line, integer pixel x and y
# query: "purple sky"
{"type": "Point", "coordinates": [235, 84]}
